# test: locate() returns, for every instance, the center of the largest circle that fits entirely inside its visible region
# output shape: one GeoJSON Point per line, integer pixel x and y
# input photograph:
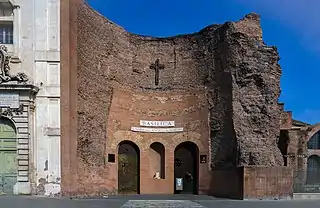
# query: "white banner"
{"type": "Point", "coordinates": [156, 130]}
{"type": "Point", "coordinates": [157, 123]}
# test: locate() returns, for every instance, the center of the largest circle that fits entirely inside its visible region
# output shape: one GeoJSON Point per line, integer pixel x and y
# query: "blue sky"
{"type": "Point", "coordinates": [291, 25]}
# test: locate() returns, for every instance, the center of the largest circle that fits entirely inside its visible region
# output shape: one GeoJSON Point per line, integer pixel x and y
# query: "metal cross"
{"type": "Point", "coordinates": [156, 67]}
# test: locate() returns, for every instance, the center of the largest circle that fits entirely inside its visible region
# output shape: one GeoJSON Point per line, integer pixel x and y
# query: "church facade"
{"type": "Point", "coordinates": [192, 114]}
{"type": "Point", "coordinates": [30, 97]}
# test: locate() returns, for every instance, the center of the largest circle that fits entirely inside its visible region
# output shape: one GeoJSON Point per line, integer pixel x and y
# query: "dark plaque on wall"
{"type": "Point", "coordinates": [203, 159]}
{"type": "Point", "coordinates": [111, 158]}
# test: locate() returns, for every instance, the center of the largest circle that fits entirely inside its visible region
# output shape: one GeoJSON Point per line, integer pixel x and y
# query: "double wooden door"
{"type": "Point", "coordinates": [8, 157]}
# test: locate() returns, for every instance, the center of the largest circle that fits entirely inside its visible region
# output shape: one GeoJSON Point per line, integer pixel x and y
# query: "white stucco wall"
{"type": "Point", "coordinates": [37, 48]}
{"type": "Point", "coordinates": [47, 76]}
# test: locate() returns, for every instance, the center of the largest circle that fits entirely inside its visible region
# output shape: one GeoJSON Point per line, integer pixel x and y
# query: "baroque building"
{"type": "Point", "coordinates": [30, 97]}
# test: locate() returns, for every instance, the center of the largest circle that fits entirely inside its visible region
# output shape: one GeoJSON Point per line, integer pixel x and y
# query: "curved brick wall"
{"type": "Point", "coordinates": [232, 75]}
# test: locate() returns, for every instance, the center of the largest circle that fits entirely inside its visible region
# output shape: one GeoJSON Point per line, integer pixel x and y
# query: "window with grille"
{"type": "Point", "coordinates": [6, 33]}
{"type": "Point", "coordinates": [6, 23]}
{"type": "Point", "coordinates": [314, 142]}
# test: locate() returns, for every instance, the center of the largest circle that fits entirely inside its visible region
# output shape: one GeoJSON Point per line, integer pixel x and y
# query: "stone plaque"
{"type": "Point", "coordinates": [157, 123]}
{"type": "Point", "coordinates": [9, 100]}
{"type": "Point", "coordinates": [52, 131]}
{"type": "Point", "coordinates": [156, 130]}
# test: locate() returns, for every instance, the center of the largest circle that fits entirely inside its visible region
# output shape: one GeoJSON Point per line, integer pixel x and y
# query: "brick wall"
{"type": "Point", "coordinates": [227, 183]}
{"type": "Point", "coordinates": [252, 183]}
{"type": "Point", "coordinates": [232, 78]}
{"type": "Point", "coordinates": [267, 183]}
{"type": "Point", "coordinates": [188, 109]}
{"type": "Point", "coordinates": [286, 120]}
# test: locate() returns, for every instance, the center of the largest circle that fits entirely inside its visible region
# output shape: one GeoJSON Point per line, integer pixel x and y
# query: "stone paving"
{"type": "Point", "coordinates": [161, 204]}
{"type": "Point", "coordinates": [148, 202]}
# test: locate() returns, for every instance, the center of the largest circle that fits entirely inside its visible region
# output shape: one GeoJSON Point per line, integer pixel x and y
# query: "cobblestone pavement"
{"type": "Point", "coordinates": [148, 201]}
{"type": "Point", "coordinates": [162, 204]}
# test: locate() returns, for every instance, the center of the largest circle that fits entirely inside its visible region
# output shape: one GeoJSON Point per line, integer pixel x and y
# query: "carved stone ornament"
{"type": "Point", "coordinates": [11, 111]}
{"type": "Point", "coordinates": [5, 75]}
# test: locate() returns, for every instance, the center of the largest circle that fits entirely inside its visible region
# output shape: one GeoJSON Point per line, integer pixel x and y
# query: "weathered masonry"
{"type": "Point", "coordinates": [299, 143]}
{"type": "Point", "coordinates": [193, 113]}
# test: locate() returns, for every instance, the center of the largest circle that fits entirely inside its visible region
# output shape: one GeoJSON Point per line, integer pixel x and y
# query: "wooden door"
{"type": "Point", "coordinates": [128, 169]}
{"type": "Point", "coordinates": [8, 157]}
{"type": "Point", "coordinates": [186, 167]}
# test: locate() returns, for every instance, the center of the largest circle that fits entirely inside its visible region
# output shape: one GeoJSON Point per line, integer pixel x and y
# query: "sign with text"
{"type": "Point", "coordinates": [156, 130]}
{"type": "Point", "coordinates": [157, 123]}
{"type": "Point", "coordinates": [9, 100]}
{"type": "Point", "coordinates": [179, 184]}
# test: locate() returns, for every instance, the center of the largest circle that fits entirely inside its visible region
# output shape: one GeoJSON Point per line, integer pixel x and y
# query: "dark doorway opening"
{"type": "Point", "coordinates": [283, 144]}
{"type": "Point", "coordinates": [128, 168]}
{"type": "Point", "coordinates": [186, 166]}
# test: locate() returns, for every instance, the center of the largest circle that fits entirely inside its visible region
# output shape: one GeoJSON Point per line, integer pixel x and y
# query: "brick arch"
{"type": "Point", "coordinates": [313, 164]}
{"type": "Point", "coordinates": [315, 129]}
{"type": "Point", "coordinates": [159, 140]}
{"type": "Point", "coordinates": [135, 137]}
{"type": "Point", "coordinates": [188, 137]}
{"type": "Point", "coordinates": [120, 136]}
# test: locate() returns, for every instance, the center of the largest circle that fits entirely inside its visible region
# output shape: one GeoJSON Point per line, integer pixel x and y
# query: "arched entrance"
{"type": "Point", "coordinates": [8, 156]}
{"type": "Point", "coordinates": [128, 168]}
{"type": "Point", "coordinates": [157, 160]}
{"type": "Point", "coordinates": [313, 170]}
{"type": "Point", "coordinates": [186, 167]}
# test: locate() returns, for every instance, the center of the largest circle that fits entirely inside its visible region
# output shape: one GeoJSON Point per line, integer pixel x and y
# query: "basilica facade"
{"type": "Point", "coordinates": [195, 113]}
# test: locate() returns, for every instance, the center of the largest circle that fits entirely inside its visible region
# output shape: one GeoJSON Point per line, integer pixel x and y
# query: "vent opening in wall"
{"type": "Point", "coordinates": [111, 158]}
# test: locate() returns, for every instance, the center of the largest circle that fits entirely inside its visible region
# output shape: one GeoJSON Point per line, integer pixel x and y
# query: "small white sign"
{"type": "Point", "coordinates": [179, 184]}
{"type": "Point", "coordinates": [157, 123]}
{"type": "Point", "coordinates": [156, 130]}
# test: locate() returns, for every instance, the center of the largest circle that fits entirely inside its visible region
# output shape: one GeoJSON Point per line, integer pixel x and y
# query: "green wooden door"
{"type": "Point", "coordinates": [8, 157]}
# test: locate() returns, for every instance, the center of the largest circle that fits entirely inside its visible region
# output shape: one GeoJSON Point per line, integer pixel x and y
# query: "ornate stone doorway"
{"type": "Point", "coordinates": [8, 156]}
{"type": "Point", "coordinates": [186, 167]}
{"type": "Point", "coordinates": [128, 168]}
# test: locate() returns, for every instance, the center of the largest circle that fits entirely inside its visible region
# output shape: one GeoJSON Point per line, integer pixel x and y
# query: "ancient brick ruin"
{"type": "Point", "coordinates": [221, 85]}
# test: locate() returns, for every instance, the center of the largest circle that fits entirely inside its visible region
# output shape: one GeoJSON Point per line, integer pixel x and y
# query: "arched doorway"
{"type": "Point", "coordinates": [186, 167]}
{"type": "Point", "coordinates": [128, 168]}
{"type": "Point", "coordinates": [283, 144]}
{"type": "Point", "coordinates": [313, 170]}
{"type": "Point", "coordinates": [157, 160]}
{"type": "Point", "coordinates": [8, 156]}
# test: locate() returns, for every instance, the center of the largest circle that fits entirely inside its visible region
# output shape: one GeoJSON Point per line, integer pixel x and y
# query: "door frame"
{"type": "Point", "coordinates": [11, 149]}
{"type": "Point", "coordinates": [196, 165]}
{"type": "Point", "coordinates": [137, 150]}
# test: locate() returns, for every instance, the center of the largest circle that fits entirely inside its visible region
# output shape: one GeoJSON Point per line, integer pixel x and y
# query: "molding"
{"type": "Point", "coordinates": [15, 60]}
{"type": "Point", "coordinates": [5, 75]}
